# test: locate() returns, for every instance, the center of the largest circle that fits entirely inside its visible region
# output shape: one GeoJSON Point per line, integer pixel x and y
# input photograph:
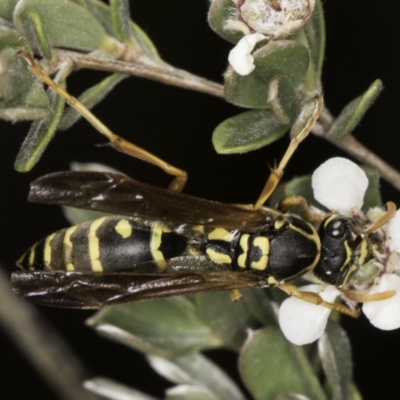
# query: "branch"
{"type": "Point", "coordinates": [146, 68]}
{"type": "Point", "coordinates": [356, 149]}
{"type": "Point", "coordinates": [45, 349]}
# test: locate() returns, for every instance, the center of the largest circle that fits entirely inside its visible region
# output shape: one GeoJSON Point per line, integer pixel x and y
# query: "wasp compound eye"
{"type": "Point", "coordinates": [336, 253]}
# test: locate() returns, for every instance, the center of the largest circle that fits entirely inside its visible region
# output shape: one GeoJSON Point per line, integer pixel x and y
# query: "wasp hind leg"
{"type": "Point", "coordinates": [117, 142]}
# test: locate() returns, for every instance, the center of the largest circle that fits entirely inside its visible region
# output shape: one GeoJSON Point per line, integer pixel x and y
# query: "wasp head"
{"type": "Point", "coordinates": [345, 246]}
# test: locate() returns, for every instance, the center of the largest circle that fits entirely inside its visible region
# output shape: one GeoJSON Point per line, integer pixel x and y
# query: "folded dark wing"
{"type": "Point", "coordinates": [119, 194]}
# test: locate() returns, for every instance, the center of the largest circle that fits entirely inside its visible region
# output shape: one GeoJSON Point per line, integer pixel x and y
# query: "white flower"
{"type": "Point", "coordinates": [240, 56]}
{"type": "Point", "coordinates": [340, 185]}
{"type": "Point", "coordinates": [264, 20]}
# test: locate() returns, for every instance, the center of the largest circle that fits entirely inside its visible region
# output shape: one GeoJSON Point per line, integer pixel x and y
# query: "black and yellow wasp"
{"type": "Point", "coordinates": [161, 242]}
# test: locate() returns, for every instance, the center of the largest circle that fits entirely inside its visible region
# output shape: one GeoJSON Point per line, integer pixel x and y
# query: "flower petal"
{"type": "Point", "coordinates": [384, 314]}
{"type": "Point", "coordinates": [302, 322]}
{"type": "Point", "coordinates": [240, 56]}
{"type": "Point", "coordinates": [393, 230]}
{"type": "Point", "coordinates": [340, 185]}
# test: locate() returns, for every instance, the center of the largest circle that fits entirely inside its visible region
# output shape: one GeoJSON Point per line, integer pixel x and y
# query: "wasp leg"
{"type": "Point", "coordinates": [362, 298]}
{"type": "Point", "coordinates": [277, 173]}
{"type": "Point", "coordinates": [117, 142]}
{"type": "Point", "coordinates": [298, 201]}
{"type": "Point", "coordinates": [314, 298]}
{"type": "Point", "coordinates": [234, 294]}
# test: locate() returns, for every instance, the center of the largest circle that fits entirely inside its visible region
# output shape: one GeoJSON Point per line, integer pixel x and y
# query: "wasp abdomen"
{"type": "Point", "coordinates": [106, 244]}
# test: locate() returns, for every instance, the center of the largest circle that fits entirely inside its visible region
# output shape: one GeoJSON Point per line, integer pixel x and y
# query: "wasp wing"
{"type": "Point", "coordinates": [119, 194]}
{"type": "Point", "coordinates": [88, 290]}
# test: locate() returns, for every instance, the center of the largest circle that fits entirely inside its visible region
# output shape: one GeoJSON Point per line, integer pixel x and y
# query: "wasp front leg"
{"type": "Point", "coordinates": [316, 299]}
{"type": "Point", "coordinates": [298, 201]}
{"type": "Point", "coordinates": [117, 142]}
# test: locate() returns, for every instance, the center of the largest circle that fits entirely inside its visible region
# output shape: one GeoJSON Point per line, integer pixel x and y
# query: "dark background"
{"type": "Point", "coordinates": [175, 124]}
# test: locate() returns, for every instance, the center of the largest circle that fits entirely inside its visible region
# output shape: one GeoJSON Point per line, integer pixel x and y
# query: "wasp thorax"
{"type": "Point", "coordinates": [272, 18]}
{"type": "Point", "coordinates": [344, 248]}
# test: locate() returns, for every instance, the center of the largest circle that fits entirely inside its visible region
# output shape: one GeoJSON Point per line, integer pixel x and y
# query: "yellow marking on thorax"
{"type": "Point", "coordinates": [244, 244]}
{"type": "Point", "coordinates": [263, 244]}
{"type": "Point", "coordinates": [32, 257]}
{"type": "Point", "coordinates": [314, 237]}
{"type": "Point", "coordinates": [94, 245]}
{"type": "Point", "coordinates": [124, 228]}
{"type": "Point", "coordinates": [280, 222]}
{"type": "Point", "coordinates": [155, 242]}
{"type": "Point", "coordinates": [218, 258]}
{"type": "Point", "coordinates": [220, 234]}
{"type": "Point", "coordinates": [47, 251]}
{"type": "Point", "coordinates": [67, 246]}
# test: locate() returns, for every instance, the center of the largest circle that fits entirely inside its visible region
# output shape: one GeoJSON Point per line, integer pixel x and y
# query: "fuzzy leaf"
{"type": "Point", "coordinates": [259, 306]}
{"type": "Point", "coordinates": [197, 370]}
{"type": "Point", "coordinates": [22, 97]}
{"type": "Point", "coordinates": [228, 319]}
{"type": "Point", "coordinates": [335, 352]}
{"type": "Point", "coordinates": [37, 33]}
{"type": "Point", "coordinates": [281, 70]}
{"type": "Point", "coordinates": [167, 327]}
{"type": "Point", "coordinates": [186, 392]}
{"type": "Point", "coordinates": [248, 131]}
{"type": "Point", "coordinates": [66, 24]}
{"type": "Point", "coordinates": [219, 13]}
{"type": "Point", "coordinates": [119, 10]}
{"type": "Point", "coordinates": [111, 390]}
{"type": "Point", "coordinates": [372, 197]}
{"type": "Point", "coordinates": [354, 112]}
{"type": "Point", "coordinates": [42, 131]}
{"type": "Point", "coordinates": [270, 366]}
{"type": "Point", "coordinates": [139, 41]}
{"type": "Point", "coordinates": [7, 8]}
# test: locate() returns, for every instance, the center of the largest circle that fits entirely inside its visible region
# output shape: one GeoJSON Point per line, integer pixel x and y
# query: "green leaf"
{"type": "Point", "coordinates": [167, 327]}
{"type": "Point", "coordinates": [119, 10]}
{"type": "Point", "coordinates": [270, 366]}
{"type": "Point", "coordinates": [313, 36]}
{"type": "Point", "coordinates": [186, 392]}
{"type": "Point", "coordinates": [281, 70]}
{"type": "Point", "coordinates": [219, 13]}
{"type": "Point", "coordinates": [33, 24]}
{"type": "Point", "coordinates": [89, 99]}
{"type": "Point", "coordinates": [22, 97]}
{"type": "Point", "coordinates": [112, 390]}
{"type": "Point", "coordinates": [139, 41]}
{"type": "Point", "coordinates": [248, 131]}
{"type": "Point", "coordinates": [259, 306]}
{"type": "Point", "coordinates": [7, 8]}
{"type": "Point", "coordinates": [335, 353]}
{"type": "Point", "coordinates": [228, 319]}
{"type": "Point", "coordinates": [66, 24]}
{"type": "Point", "coordinates": [197, 370]}
{"type": "Point", "coordinates": [372, 197]}
{"type": "Point", "coordinates": [42, 131]}
{"type": "Point", "coordinates": [354, 112]}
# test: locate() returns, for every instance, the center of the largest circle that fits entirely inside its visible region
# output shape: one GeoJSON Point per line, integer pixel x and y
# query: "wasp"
{"type": "Point", "coordinates": [161, 242]}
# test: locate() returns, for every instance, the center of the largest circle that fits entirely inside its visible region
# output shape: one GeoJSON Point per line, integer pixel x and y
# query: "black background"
{"type": "Point", "coordinates": [176, 124]}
